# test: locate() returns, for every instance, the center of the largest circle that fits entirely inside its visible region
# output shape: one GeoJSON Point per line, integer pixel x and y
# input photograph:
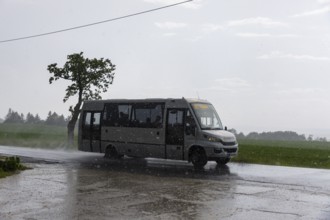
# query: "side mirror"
{"type": "Point", "coordinates": [225, 128]}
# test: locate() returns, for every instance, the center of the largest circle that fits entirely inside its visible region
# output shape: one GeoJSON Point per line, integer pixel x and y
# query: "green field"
{"type": "Point", "coordinates": [283, 153]}
{"type": "Point", "coordinates": [38, 136]}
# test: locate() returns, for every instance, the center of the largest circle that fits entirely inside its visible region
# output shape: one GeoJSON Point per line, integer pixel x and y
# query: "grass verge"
{"type": "Point", "coordinates": [285, 153]}
{"type": "Point", "coordinates": [10, 166]}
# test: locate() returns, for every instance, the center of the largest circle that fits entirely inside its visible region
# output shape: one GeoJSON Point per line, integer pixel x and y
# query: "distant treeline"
{"type": "Point", "coordinates": [277, 135]}
{"type": "Point", "coordinates": [52, 119]}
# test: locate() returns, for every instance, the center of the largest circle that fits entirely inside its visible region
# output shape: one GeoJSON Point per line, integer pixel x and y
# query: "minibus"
{"type": "Point", "coordinates": [177, 129]}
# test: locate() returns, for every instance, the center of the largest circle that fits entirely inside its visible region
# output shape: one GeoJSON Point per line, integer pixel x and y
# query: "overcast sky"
{"type": "Point", "coordinates": [265, 65]}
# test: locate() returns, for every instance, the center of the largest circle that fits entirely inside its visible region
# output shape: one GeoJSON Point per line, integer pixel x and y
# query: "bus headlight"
{"type": "Point", "coordinates": [214, 139]}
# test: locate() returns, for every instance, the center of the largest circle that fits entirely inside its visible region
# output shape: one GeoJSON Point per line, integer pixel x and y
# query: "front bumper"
{"type": "Point", "coordinates": [222, 152]}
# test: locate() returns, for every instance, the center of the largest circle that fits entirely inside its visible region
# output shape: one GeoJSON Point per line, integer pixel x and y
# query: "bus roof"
{"type": "Point", "coordinates": [190, 100]}
{"type": "Point", "coordinates": [99, 104]}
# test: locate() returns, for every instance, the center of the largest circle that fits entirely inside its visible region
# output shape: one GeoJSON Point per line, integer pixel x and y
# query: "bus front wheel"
{"type": "Point", "coordinates": [198, 157]}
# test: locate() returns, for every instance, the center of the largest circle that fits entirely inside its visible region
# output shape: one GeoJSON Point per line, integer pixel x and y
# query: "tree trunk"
{"type": "Point", "coordinates": [72, 124]}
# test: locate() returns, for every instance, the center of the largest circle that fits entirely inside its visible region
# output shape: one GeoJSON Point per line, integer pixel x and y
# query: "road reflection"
{"type": "Point", "coordinates": [159, 167]}
{"type": "Point", "coordinates": [146, 188]}
{"type": "Point", "coordinates": [80, 185]}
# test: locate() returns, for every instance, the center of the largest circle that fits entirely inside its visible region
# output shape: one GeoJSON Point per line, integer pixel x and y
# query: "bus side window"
{"type": "Point", "coordinates": [147, 115]}
{"type": "Point", "coordinates": [157, 116]}
{"type": "Point", "coordinates": [124, 115]}
{"type": "Point", "coordinates": [110, 114]}
{"type": "Point", "coordinates": [86, 125]}
{"type": "Point", "coordinates": [117, 115]}
{"type": "Point", "coordinates": [96, 120]}
{"type": "Point", "coordinates": [134, 115]}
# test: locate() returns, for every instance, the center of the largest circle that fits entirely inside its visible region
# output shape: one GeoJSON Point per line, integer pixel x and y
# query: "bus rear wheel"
{"type": "Point", "coordinates": [223, 161]}
{"type": "Point", "coordinates": [111, 152]}
{"type": "Point", "coordinates": [198, 158]}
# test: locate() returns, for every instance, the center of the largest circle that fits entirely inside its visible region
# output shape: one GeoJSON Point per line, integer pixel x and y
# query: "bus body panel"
{"type": "Point", "coordinates": [143, 142]}
{"type": "Point", "coordinates": [172, 140]}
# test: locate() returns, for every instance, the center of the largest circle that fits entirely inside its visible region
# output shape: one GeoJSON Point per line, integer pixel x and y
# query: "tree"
{"type": "Point", "coordinates": [51, 118]}
{"type": "Point", "coordinates": [89, 78]}
{"type": "Point", "coordinates": [37, 119]}
{"type": "Point", "coordinates": [240, 135]}
{"type": "Point", "coordinates": [60, 120]}
{"type": "Point", "coordinates": [30, 119]}
{"type": "Point", "coordinates": [232, 130]}
{"type": "Point", "coordinates": [55, 119]}
{"type": "Point", "coordinates": [310, 137]}
{"type": "Point", "coordinates": [14, 117]}
{"type": "Point", "coordinates": [321, 139]}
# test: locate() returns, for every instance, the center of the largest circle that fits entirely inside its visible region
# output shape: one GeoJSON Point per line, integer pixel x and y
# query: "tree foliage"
{"type": "Point", "coordinates": [55, 119]}
{"type": "Point", "coordinates": [89, 78]}
{"type": "Point", "coordinates": [52, 119]}
{"type": "Point", "coordinates": [31, 119]}
{"type": "Point", "coordinates": [14, 117]}
{"type": "Point", "coordinates": [276, 135]}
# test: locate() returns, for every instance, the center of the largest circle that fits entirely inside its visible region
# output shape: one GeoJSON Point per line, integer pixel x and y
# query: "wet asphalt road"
{"type": "Point", "coordinates": [79, 185]}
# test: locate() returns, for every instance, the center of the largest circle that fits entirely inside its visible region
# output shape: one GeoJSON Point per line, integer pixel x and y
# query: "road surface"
{"type": "Point", "coordinates": [80, 185]}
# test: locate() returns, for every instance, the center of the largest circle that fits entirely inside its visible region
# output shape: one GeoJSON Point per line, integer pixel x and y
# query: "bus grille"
{"type": "Point", "coordinates": [230, 150]}
{"type": "Point", "coordinates": [228, 143]}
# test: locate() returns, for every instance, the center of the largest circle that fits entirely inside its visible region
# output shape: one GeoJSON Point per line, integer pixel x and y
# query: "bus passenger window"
{"type": "Point", "coordinates": [124, 115]}
{"type": "Point", "coordinates": [86, 125]}
{"type": "Point", "coordinates": [88, 116]}
{"type": "Point", "coordinates": [117, 115]}
{"type": "Point", "coordinates": [96, 120]}
{"type": "Point", "coordinates": [134, 115]}
{"type": "Point", "coordinates": [158, 122]}
{"type": "Point", "coordinates": [110, 114]}
{"type": "Point", "coordinates": [148, 116]}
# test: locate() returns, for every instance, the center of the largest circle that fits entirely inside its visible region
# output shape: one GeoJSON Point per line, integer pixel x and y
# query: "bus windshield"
{"type": "Point", "coordinates": [207, 116]}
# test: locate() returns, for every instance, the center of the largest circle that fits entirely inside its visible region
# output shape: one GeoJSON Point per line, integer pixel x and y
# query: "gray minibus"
{"type": "Point", "coordinates": [179, 129]}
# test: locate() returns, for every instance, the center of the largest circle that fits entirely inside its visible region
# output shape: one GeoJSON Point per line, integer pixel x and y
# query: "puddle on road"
{"type": "Point", "coordinates": [147, 189]}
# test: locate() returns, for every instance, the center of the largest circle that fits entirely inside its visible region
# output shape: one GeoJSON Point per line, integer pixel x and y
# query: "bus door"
{"type": "Point", "coordinates": [91, 137]}
{"type": "Point", "coordinates": [174, 134]}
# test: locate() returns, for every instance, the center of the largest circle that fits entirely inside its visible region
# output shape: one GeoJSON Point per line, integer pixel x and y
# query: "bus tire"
{"type": "Point", "coordinates": [111, 152]}
{"type": "Point", "coordinates": [198, 157]}
{"type": "Point", "coordinates": [223, 161]}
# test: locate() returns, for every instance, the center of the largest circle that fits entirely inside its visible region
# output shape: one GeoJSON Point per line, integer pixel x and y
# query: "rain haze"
{"type": "Point", "coordinates": [263, 64]}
